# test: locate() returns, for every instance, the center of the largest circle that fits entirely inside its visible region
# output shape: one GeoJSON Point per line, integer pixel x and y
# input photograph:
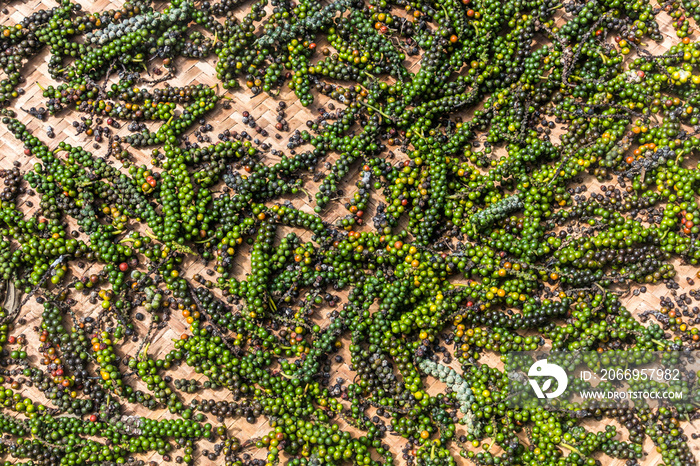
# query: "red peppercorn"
{"type": "Point", "coordinates": [123, 266]}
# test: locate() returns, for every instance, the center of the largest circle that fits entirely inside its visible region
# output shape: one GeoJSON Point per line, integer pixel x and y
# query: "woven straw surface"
{"type": "Point", "coordinates": [263, 109]}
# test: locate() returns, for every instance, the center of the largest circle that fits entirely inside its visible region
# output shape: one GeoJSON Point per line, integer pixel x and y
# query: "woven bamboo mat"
{"type": "Point", "coordinates": [263, 109]}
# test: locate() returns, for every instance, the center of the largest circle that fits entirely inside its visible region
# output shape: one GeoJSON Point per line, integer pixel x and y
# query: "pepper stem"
{"type": "Point", "coordinates": [569, 447]}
